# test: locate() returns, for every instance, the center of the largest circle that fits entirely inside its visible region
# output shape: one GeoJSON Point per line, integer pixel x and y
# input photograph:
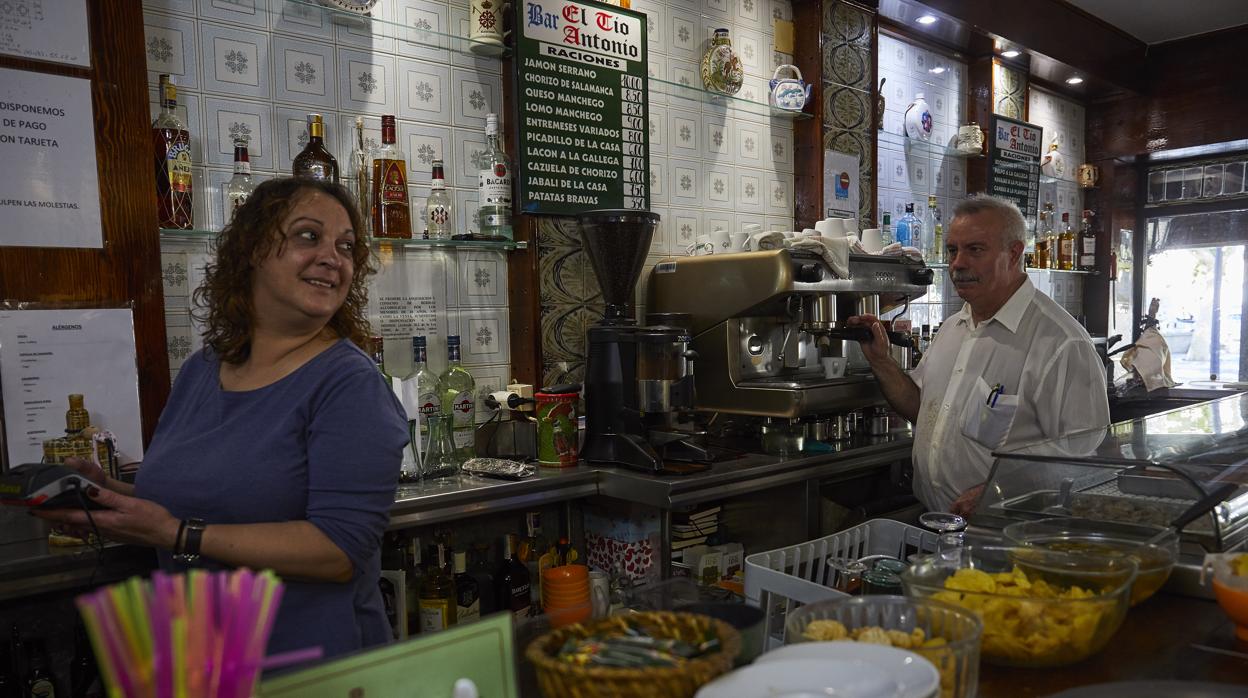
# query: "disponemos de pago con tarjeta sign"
{"type": "Point", "coordinates": [581, 87]}
{"type": "Point", "coordinates": [1014, 162]}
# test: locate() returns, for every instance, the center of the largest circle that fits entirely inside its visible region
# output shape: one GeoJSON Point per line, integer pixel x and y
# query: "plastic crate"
{"type": "Point", "coordinates": [783, 579]}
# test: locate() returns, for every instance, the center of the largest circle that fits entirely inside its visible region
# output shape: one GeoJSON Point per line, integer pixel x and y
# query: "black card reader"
{"type": "Point", "coordinates": [45, 486]}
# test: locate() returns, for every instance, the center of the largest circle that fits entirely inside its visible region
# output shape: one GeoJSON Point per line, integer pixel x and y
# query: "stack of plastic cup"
{"type": "Point", "coordinates": [565, 594]}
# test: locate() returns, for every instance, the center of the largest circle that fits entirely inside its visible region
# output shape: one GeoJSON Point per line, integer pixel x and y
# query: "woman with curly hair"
{"type": "Point", "coordinates": [280, 446]}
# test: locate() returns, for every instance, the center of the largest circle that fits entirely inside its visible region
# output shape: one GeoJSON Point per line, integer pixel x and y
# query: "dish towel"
{"type": "Point", "coordinates": [771, 241]}
{"type": "Point", "coordinates": [1150, 358]}
{"type": "Point", "coordinates": [835, 252]}
{"type": "Point", "coordinates": [895, 249]}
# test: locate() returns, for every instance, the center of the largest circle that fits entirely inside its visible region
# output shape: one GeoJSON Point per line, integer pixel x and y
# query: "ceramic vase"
{"type": "Point", "coordinates": [919, 119]}
{"type": "Point", "coordinates": [721, 67]}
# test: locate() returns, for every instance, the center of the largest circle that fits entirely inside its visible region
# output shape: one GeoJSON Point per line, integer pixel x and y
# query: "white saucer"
{"type": "Point", "coordinates": [829, 678]}
{"type": "Point", "coordinates": [916, 677]}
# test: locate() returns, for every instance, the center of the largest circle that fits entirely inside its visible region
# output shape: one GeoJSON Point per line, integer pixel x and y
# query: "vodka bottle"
{"type": "Point", "coordinates": [438, 213]}
{"type": "Point", "coordinates": [494, 182]}
{"type": "Point", "coordinates": [459, 401]}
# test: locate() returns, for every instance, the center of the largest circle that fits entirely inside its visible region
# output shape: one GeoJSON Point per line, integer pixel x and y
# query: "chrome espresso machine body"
{"type": "Point", "coordinates": [762, 321]}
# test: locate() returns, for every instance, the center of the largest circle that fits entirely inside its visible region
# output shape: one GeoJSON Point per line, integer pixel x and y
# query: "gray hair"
{"type": "Point", "coordinates": [1015, 226]}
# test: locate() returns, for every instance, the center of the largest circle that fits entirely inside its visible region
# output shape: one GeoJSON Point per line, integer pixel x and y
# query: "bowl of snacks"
{"type": "Point", "coordinates": [1040, 608]}
{"type": "Point", "coordinates": [1230, 587]}
{"type": "Point", "coordinates": [656, 654]}
{"type": "Point", "coordinates": [948, 636]}
{"type": "Point", "coordinates": [1076, 535]}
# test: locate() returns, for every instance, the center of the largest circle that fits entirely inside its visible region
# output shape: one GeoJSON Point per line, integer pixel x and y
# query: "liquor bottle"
{"type": "Point", "coordinates": [393, 558]}
{"type": "Point", "coordinates": [909, 229]}
{"type": "Point", "coordinates": [512, 581]}
{"type": "Point", "coordinates": [531, 550]}
{"type": "Point", "coordinates": [172, 144]}
{"type": "Point", "coordinates": [314, 161]}
{"type": "Point", "coordinates": [1044, 237]}
{"type": "Point", "coordinates": [420, 388]}
{"type": "Point", "coordinates": [240, 185]}
{"type": "Point", "coordinates": [38, 677]}
{"type": "Point", "coordinates": [938, 239]}
{"type": "Point", "coordinates": [438, 221]}
{"type": "Point", "coordinates": [467, 591]}
{"type": "Point", "coordinates": [361, 174]}
{"type": "Point", "coordinates": [930, 251]}
{"type": "Point", "coordinates": [494, 184]}
{"type": "Point", "coordinates": [482, 571]}
{"type": "Point", "coordinates": [76, 417]}
{"type": "Point", "coordinates": [886, 230]}
{"type": "Point", "coordinates": [1087, 242]}
{"type": "Point", "coordinates": [412, 580]}
{"type": "Point", "coordinates": [437, 592]}
{"type": "Point", "coordinates": [392, 217]}
{"type": "Point", "coordinates": [459, 401]}
{"type": "Point", "coordinates": [1066, 244]}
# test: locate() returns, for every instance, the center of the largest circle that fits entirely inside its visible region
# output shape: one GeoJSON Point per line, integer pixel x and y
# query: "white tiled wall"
{"type": "Point", "coordinates": [715, 165]}
{"type": "Point", "coordinates": [1063, 121]}
{"type": "Point", "coordinates": [259, 66]}
{"type": "Point", "coordinates": [908, 174]}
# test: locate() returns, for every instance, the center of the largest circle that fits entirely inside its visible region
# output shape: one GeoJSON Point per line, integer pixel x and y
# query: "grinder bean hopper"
{"type": "Point", "coordinates": [636, 377]}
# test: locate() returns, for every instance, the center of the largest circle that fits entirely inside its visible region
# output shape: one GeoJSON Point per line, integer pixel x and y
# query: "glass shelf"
{"type": "Point", "coordinates": [927, 148]}
{"type": "Point", "coordinates": [403, 32]}
{"type": "Point", "coordinates": [1055, 271]}
{"type": "Point", "coordinates": [501, 245]}
{"type": "Point", "coordinates": [697, 94]}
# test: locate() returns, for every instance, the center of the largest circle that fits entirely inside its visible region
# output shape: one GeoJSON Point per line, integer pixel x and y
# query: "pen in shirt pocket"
{"type": "Point", "coordinates": [994, 394]}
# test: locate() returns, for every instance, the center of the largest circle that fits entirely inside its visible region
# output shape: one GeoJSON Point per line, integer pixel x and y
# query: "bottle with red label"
{"type": "Point", "coordinates": [459, 401]}
{"type": "Point", "coordinates": [392, 216]}
{"type": "Point", "coordinates": [172, 145]}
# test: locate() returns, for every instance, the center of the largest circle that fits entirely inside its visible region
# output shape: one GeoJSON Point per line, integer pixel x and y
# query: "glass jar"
{"type": "Point", "coordinates": [440, 460]}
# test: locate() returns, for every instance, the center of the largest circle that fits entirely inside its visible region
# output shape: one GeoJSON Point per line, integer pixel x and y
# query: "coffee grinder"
{"type": "Point", "coordinates": [635, 377]}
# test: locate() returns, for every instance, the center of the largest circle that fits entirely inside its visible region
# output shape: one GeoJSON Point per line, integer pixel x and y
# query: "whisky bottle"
{"type": "Point", "coordinates": [437, 593]}
{"type": "Point", "coordinates": [421, 388]}
{"type": "Point", "coordinates": [314, 161]}
{"type": "Point", "coordinates": [1066, 245]}
{"type": "Point", "coordinates": [1087, 242]}
{"type": "Point", "coordinates": [240, 185]}
{"type": "Point", "coordinates": [172, 145]}
{"type": "Point", "coordinates": [459, 401]}
{"type": "Point", "coordinates": [438, 220]}
{"type": "Point", "coordinates": [467, 591]}
{"type": "Point", "coordinates": [512, 581]}
{"type": "Point", "coordinates": [494, 184]}
{"type": "Point", "coordinates": [361, 174]}
{"type": "Point", "coordinates": [1044, 238]}
{"type": "Point", "coordinates": [391, 214]}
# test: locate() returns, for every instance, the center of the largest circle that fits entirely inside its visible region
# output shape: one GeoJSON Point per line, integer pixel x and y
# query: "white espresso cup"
{"type": "Point", "coordinates": [701, 246]}
{"type": "Point", "coordinates": [872, 241]}
{"type": "Point", "coordinates": [721, 240]}
{"type": "Point", "coordinates": [740, 242]}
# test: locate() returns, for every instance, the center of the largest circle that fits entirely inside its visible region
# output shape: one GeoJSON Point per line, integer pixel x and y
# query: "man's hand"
{"type": "Point", "coordinates": [966, 503]}
{"type": "Point", "coordinates": [877, 349]}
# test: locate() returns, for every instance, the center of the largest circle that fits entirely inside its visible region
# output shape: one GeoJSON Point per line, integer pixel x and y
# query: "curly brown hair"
{"type": "Point", "coordinates": [224, 300]}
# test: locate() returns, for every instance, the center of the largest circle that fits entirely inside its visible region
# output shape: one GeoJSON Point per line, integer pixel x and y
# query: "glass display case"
{"type": "Point", "coordinates": [1144, 471]}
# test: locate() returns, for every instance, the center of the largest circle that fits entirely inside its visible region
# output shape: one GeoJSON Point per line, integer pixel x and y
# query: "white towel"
{"type": "Point", "coordinates": [1150, 358]}
{"type": "Point", "coordinates": [895, 249]}
{"type": "Point", "coordinates": [771, 241]}
{"type": "Point", "coordinates": [835, 251]}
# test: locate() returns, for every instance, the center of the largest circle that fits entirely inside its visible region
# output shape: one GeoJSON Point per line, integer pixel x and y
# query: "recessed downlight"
{"type": "Point", "coordinates": [926, 19]}
{"type": "Point", "coordinates": [937, 70]}
{"type": "Point", "coordinates": [1012, 53]}
{"type": "Point", "coordinates": [1074, 80]}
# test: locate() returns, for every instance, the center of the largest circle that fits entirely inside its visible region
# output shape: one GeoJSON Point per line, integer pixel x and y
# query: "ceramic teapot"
{"type": "Point", "coordinates": [790, 94]}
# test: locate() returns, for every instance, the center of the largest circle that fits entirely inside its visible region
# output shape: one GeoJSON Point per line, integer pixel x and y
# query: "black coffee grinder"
{"type": "Point", "coordinates": [618, 426]}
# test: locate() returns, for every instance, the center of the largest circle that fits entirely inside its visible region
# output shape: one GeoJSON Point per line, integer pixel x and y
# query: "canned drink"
{"type": "Point", "coordinates": [556, 429]}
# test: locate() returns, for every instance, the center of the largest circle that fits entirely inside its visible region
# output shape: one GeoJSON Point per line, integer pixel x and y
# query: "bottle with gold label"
{"type": "Point", "coordinates": [438, 601]}
{"type": "Point", "coordinates": [172, 145]}
{"type": "Point", "coordinates": [76, 417]}
{"type": "Point", "coordinates": [391, 214]}
{"type": "Point", "coordinates": [1066, 245]}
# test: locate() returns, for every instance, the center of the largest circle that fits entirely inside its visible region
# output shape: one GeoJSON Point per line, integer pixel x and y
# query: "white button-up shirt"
{"type": "Point", "coordinates": [1028, 373]}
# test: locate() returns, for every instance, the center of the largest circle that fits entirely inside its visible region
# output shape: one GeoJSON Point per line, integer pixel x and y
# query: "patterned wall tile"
{"type": "Point", "coordinates": [171, 46]}
{"type": "Point", "coordinates": [303, 73]}
{"type": "Point", "coordinates": [252, 13]}
{"type": "Point", "coordinates": [302, 19]}
{"type": "Point", "coordinates": [236, 62]}
{"type": "Point", "coordinates": [424, 91]}
{"type": "Point", "coordinates": [366, 82]}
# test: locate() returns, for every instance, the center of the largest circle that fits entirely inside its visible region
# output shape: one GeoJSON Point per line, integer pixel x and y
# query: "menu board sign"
{"type": "Point", "coordinates": [1014, 163]}
{"type": "Point", "coordinates": [581, 90]}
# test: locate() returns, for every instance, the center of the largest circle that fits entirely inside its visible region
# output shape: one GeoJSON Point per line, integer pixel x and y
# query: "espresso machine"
{"type": "Point", "coordinates": [637, 379]}
{"type": "Point", "coordinates": [762, 322]}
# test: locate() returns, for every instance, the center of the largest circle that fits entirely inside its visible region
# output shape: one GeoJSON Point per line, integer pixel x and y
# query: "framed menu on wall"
{"type": "Point", "coordinates": [581, 93]}
{"type": "Point", "coordinates": [44, 30]}
{"type": "Point", "coordinates": [1014, 162]}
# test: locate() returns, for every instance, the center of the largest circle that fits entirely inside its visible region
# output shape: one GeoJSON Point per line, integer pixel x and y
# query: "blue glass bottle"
{"type": "Point", "coordinates": [909, 230]}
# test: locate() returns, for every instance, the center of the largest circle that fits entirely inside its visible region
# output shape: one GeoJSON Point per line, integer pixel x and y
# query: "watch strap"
{"type": "Point", "coordinates": [188, 551]}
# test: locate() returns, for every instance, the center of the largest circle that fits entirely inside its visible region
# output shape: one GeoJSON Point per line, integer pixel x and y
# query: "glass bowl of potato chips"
{"type": "Point", "coordinates": [1039, 607]}
{"type": "Point", "coordinates": [1155, 555]}
{"type": "Point", "coordinates": [947, 636]}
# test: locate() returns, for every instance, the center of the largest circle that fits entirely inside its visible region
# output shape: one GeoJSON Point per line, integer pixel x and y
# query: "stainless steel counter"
{"type": "Point", "coordinates": [449, 498]}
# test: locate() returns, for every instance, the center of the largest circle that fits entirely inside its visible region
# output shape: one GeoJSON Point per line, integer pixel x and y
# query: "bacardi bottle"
{"type": "Point", "coordinates": [459, 401]}
{"type": "Point", "coordinates": [438, 220]}
{"type": "Point", "coordinates": [172, 149]}
{"type": "Point", "coordinates": [240, 185]}
{"type": "Point", "coordinates": [494, 182]}
{"type": "Point", "coordinates": [314, 161]}
{"type": "Point", "coordinates": [392, 216]}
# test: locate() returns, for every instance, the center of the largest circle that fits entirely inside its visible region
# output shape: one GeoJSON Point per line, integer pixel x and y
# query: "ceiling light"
{"type": "Point", "coordinates": [926, 19]}
{"type": "Point", "coordinates": [1012, 53]}
{"type": "Point", "coordinates": [1074, 80]}
{"type": "Point", "coordinates": [938, 69]}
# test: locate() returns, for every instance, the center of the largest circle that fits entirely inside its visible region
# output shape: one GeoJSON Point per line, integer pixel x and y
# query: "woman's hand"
{"type": "Point", "coordinates": [126, 519]}
{"type": "Point", "coordinates": [88, 469]}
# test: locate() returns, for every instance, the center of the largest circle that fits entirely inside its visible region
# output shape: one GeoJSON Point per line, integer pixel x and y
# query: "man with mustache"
{"type": "Point", "coordinates": [1011, 367]}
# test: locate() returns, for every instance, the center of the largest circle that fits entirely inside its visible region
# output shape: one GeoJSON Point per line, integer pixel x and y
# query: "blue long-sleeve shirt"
{"type": "Point", "coordinates": [323, 444]}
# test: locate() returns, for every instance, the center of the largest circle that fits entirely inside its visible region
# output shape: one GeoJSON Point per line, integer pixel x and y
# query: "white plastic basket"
{"type": "Point", "coordinates": [781, 580]}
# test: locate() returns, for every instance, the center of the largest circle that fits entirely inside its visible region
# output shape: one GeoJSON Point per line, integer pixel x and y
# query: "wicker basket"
{"type": "Point", "coordinates": [559, 679]}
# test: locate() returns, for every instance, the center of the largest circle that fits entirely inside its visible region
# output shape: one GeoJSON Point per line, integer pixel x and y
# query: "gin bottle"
{"type": "Point", "coordinates": [909, 229]}
{"type": "Point", "coordinates": [438, 220]}
{"type": "Point", "coordinates": [494, 183]}
{"type": "Point", "coordinates": [240, 185]}
{"type": "Point", "coordinates": [459, 401]}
